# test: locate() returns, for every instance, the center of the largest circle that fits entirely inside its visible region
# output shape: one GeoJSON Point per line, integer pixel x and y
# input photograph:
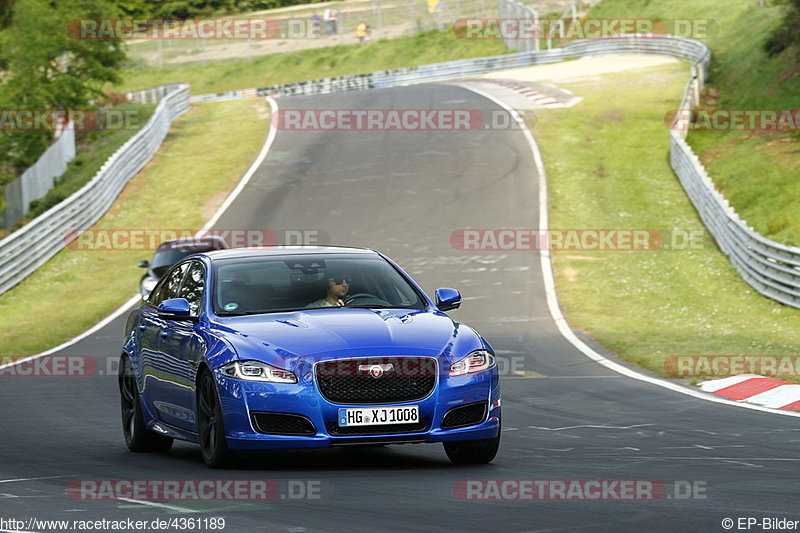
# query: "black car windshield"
{"type": "Point", "coordinates": [163, 259]}
{"type": "Point", "coordinates": [254, 285]}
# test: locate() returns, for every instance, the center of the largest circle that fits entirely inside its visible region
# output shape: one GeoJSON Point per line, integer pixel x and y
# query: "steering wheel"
{"type": "Point", "coordinates": [365, 298]}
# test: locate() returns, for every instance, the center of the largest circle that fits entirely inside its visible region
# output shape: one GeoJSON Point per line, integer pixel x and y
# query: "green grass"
{"type": "Point", "coordinates": [93, 148]}
{"type": "Point", "coordinates": [756, 171]}
{"type": "Point", "coordinates": [339, 60]}
{"type": "Point", "coordinates": [607, 166]}
{"type": "Point", "coordinates": [204, 155]}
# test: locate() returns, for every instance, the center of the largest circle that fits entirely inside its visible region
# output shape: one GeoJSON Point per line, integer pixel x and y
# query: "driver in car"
{"type": "Point", "coordinates": [338, 287]}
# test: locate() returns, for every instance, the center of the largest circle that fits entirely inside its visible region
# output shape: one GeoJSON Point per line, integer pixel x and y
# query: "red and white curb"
{"type": "Point", "coordinates": [759, 390]}
{"type": "Point", "coordinates": [535, 96]}
{"type": "Point", "coordinates": [538, 98]}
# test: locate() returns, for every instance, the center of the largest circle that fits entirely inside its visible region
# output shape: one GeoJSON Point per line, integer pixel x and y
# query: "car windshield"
{"type": "Point", "coordinates": [293, 282]}
{"type": "Point", "coordinates": [163, 259]}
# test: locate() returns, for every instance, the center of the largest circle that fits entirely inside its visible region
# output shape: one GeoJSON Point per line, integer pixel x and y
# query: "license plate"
{"type": "Point", "coordinates": [377, 416]}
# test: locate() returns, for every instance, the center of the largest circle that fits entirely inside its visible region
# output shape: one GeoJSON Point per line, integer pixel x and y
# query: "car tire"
{"type": "Point", "coordinates": [211, 432]}
{"type": "Point", "coordinates": [137, 437]}
{"type": "Point", "coordinates": [473, 452]}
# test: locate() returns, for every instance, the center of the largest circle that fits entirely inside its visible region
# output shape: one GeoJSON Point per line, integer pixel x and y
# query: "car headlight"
{"type": "Point", "coordinates": [475, 362]}
{"type": "Point", "coordinates": [257, 371]}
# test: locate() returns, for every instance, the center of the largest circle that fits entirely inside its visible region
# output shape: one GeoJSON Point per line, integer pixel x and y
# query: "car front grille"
{"type": "Point", "coordinates": [464, 415]}
{"type": "Point", "coordinates": [283, 424]}
{"type": "Point", "coordinates": [385, 429]}
{"type": "Point", "coordinates": [399, 379]}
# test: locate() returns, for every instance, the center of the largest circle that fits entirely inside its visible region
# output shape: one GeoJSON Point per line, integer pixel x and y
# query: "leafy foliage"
{"type": "Point", "coordinates": [195, 8]}
{"type": "Point", "coordinates": [788, 33]}
{"type": "Point", "coordinates": [45, 67]}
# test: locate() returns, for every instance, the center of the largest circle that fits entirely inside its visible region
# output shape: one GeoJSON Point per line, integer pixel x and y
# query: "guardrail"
{"type": "Point", "coordinates": [26, 249]}
{"type": "Point", "coordinates": [669, 45]}
{"type": "Point", "coordinates": [771, 268]}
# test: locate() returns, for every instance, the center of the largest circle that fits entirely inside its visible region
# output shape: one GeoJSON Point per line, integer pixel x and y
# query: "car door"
{"type": "Point", "coordinates": [183, 346]}
{"type": "Point", "coordinates": [155, 363]}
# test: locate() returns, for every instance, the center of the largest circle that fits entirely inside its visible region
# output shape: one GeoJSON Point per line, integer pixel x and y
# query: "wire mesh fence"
{"type": "Point", "coordinates": [314, 26]}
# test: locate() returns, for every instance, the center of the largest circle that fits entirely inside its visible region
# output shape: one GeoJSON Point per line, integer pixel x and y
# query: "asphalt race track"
{"type": "Point", "coordinates": [565, 417]}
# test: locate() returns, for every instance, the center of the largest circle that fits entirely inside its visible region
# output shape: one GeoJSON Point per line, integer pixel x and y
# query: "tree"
{"type": "Point", "coordinates": [788, 33]}
{"type": "Point", "coordinates": [45, 67]}
{"type": "Point", "coordinates": [6, 10]}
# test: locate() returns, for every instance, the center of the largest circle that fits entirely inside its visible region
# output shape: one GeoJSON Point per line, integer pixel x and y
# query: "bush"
{"type": "Point", "coordinates": [177, 10]}
{"type": "Point", "coordinates": [788, 33]}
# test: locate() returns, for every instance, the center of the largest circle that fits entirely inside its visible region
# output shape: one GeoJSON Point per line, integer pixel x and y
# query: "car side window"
{"type": "Point", "coordinates": [171, 284]}
{"type": "Point", "coordinates": [193, 286]}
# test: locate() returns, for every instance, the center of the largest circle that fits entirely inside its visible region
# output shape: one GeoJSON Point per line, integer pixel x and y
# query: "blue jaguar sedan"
{"type": "Point", "coordinates": [301, 347]}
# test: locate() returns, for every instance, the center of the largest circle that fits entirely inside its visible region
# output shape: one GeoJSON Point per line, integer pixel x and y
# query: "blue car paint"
{"type": "Point", "coordinates": [167, 356]}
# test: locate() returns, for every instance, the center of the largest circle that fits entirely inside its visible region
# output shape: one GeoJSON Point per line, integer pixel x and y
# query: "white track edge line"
{"type": "Point", "coordinates": [160, 505]}
{"type": "Point", "coordinates": [225, 205]}
{"type": "Point", "coordinates": [552, 298]}
{"type": "Point", "coordinates": [250, 171]}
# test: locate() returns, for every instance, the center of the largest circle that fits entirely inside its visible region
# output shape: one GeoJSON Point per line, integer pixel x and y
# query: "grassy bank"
{"type": "Point", "coordinates": [204, 155]}
{"type": "Point", "coordinates": [340, 60]}
{"type": "Point", "coordinates": [757, 171]}
{"type": "Point", "coordinates": [93, 148]}
{"type": "Point", "coordinates": [607, 167]}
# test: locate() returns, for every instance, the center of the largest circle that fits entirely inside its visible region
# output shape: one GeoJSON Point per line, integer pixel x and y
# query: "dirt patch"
{"type": "Point", "coordinates": [570, 274]}
{"type": "Point", "coordinates": [793, 71]}
{"type": "Point", "coordinates": [612, 115]}
{"type": "Point", "coordinates": [210, 206]}
{"type": "Point", "coordinates": [262, 112]}
{"type": "Point", "coordinates": [710, 96]}
{"type": "Point", "coordinates": [777, 143]}
{"type": "Point", "coordinates": [783, 151]}
{"type": "Point", "coordinates": [717, 152]}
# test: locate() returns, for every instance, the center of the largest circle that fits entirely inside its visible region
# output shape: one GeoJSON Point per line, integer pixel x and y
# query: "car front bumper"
{"type": "Point", "coordinates": [240, 399]}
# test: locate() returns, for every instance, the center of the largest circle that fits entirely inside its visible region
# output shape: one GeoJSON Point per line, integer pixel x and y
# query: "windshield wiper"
{"type": "Point", "coordinates": [264, 311]}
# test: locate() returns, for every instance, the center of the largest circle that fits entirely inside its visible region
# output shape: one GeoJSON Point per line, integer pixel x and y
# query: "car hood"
{"type": "Point", "coordinates": [327, 333]}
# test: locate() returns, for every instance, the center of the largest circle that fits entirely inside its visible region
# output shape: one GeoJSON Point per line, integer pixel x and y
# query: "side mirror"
{"type": "Point", "coordinates": [144, 264]}
{"type": "Point", "coordinates": [447, 299]}
{"type": "Point", "coordinates": [175, 309]}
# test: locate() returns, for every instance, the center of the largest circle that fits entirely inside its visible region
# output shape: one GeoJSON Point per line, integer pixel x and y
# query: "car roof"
{"type": "Point", "coordinates": [200, 244]}
{"type": "Point", "coordinates": [273, 251]}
